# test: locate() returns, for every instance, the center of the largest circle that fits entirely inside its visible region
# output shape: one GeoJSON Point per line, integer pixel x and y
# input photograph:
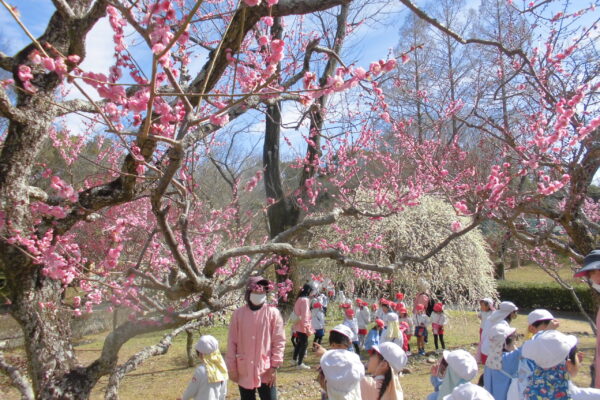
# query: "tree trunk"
{"type": "Point", "coordinates": [52, 365]}
{"type": "Point", "coordinates": [189, 347]}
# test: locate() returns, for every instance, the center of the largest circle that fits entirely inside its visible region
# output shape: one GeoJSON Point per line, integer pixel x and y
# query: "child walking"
{"type": "Point", "coordinates": [486, 308]}
{"type": "Point", "coordinates": [421, 321]}
{"type": "Point", "coordinates": [438, 320]}
{"type": "Point", "coordinates": [351, 323]}
{"type": "Point", "coordinates": [210, 377]}
{"type": "Point", "coordinates": [318, 322]}
{"type": "Point", "coordinates": [374, 336]}
{"type": "Point", "coordinates": [363, 318]}
{"type": "Point", "coordinates": [403, 313]}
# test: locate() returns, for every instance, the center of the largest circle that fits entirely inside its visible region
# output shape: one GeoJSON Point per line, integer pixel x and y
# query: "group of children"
{"type": "Point", "coordinates": [540, 369]}
{"type": "Point", "coordinates": [391, 323]}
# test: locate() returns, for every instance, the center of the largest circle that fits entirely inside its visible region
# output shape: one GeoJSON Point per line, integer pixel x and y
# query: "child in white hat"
{"type": "Point", "coordinates": [340, 375]}
{"type": "Point", "coordinates": [455, 368]}
{"type": "Point", "coordinates": [392, 332]}
{"type": "Point", "coordinates": [498, 380]}
{"type": "Point", "coordinates": [556, 358]}
{"type": "Point", "coordinates": [538, 320]}
{"type": "Point", "coordinates": [385, 365]}
{"type": "Point", "coordinates": [210, 377]}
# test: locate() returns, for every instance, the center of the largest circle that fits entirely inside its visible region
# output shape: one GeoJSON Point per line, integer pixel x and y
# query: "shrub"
{"type": "Point", "coordinates": [549, 295]}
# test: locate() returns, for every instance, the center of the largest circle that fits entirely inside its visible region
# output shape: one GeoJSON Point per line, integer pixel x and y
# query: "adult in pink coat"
{"type": "Point", "coordinates": [303, 326]}
{"type": "Point", "coordinates": [256, 344]}
{"type": "Point", "coordinates": [591, 271]}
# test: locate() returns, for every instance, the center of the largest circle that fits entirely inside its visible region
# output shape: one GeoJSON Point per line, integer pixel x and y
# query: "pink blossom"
{"type": "Point", "coordinates": [461, 208]}
{"type": "Point", "coordinates": [48, 63]}
{"type": "Point", "coordinates": [405, 58]}
{"type": "Point", "coordinates": [252, 3]}
{"type": "Point", "coordinates": [375, 68]}
{"type": "Point", "coordinates": [456, 226]}
{"type": "Point", "coordinates": [35, 57]}
{"type": "Point", "coordinates": [219, 119]}
{"type": "Point", "coordinates": [267, 20]}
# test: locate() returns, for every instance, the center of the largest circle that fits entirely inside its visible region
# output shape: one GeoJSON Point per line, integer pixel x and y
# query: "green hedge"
{"type": "Point", "coordinates": [544, 295]}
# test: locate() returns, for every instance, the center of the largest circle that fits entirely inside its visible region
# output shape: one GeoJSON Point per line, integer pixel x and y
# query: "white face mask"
{"type": "Point", "coordinates": [596, 286]}
{"type": "Point", "coordinates": [258, 298]}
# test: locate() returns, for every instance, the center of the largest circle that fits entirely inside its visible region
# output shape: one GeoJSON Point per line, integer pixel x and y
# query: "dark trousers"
{"type": "Point", "coordinates": [301, 346]}
{"type": "Point", "coordinates": [435, 339]}
{"type": "Point", "coordinates": [265, 392]}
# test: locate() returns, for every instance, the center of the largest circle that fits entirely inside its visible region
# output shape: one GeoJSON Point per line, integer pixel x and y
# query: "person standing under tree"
{"type": "Point", "coordinates": [303, 326]}
{"type": "Point", "coordinates": [256, 343]}
{"type": "Point", "coordinates": [591, 271]}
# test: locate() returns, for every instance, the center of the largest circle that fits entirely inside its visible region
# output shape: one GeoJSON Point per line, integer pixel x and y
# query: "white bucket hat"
{"type": "Point", "coordinates": [462, 363]}
{"type": "Point", "coordinates": [344, 330]}
{"type": "Point", "coordinates": [393, 354]}
{"type": "Point", "coordinates": [539, 315]}
{"type": "Point", "coordinates": [469, 391]}
{"type": "Point", "coordinates": [343, 370]}
{"type": "Point", "coordinates": [504, 309]}
{"type": "Point", "coordinates": [549, 348]}
{"type": "Point", "coordinates": [207, 344]}
{"type": "Point", "coordinates": [391, 317]}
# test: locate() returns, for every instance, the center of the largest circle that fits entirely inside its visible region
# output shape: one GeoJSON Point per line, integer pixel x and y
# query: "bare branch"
{"type": "Point", "coordinates": [6, 62]}
{"type": "Point", "coordinates": [71, 106]}
{"type": "Point", "coordinates": [426, 17]}
{"type": "Point", "coordinates": [18, 379]}
{"type": "Point", "coordinates": [64, 8]}
{"type": "Point", "coordinates": [7, 110]}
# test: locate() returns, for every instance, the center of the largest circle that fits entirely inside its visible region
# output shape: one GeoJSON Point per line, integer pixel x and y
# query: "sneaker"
{"type": "Point", "coordinates": [302, 366]}
{"type": "Point", "coordinates": [422, 352]}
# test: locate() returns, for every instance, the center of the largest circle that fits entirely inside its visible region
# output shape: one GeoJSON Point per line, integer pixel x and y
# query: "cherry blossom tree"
{"type": "Point", "coordinates": [133, 230]}
{"type": "Point", "coordinates": [537, 108]}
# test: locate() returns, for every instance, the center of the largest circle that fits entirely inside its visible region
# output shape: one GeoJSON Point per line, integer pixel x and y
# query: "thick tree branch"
{"type": "Point", "coordinates": [6, 62]}
{"type": "Point", "coordinates": [18, 379]}
{"type": "Point", "coordinates": [112, 390]}
{"type": "Point", "coordinates": [7, 110]}
{"type": "Point", "coordinates": [220, 259]}
{"type": "Point", "coordinates": [64, 8]}
{"type": "Point", "coordinates": [78, 105]}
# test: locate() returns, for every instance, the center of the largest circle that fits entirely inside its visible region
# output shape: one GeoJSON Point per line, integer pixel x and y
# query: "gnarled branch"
{"type": "Point", "coordinates": [18, 379]}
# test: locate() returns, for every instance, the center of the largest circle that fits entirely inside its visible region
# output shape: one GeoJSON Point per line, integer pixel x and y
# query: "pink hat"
{"type": "Point", "coordinates": [317, 305]}
{"type": "Point", "coordinates": [399, 296]}
{"type": "Point", "coordinates": [345, 305]}
{"type": "Point", "coordinates": [379, 323]}
{"type": "Point", "coordinates": [349, 312]}
{"type": "Point", "coordinates": [438, 307]}
{"type": "Point", "coordinates": [374, 306]}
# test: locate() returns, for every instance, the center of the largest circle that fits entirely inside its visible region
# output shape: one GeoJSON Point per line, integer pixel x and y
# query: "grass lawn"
{"type": "Point", "coordinates": [165, 377]}
{"type": "Point", "coordinates": [533, 273]}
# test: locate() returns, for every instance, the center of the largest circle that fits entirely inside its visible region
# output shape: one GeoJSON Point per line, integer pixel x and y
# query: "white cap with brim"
{"type": "Point", "coordinates": [469, 391]}
{"type": "Point", "coordinates": [343, 370]}
{"type": "Point", "coordinates": [344, 330]}
{"type": "Point", "coordinates": [539, 315]}
{"type": "Point", "coordinates": [462, 363]}
{"type": "Point", "coordinates": [207, 344]}
{"type": "Point", "coordinates": [504, 309]}
{"type": "Point", "coordinates": [549, 348]}
{"type": "Point", "coordinates": [501, 329]}
{"type": "Point", "coordinates": [590, 263]}
{"type": "Point", "coordinates": [393, 354]}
